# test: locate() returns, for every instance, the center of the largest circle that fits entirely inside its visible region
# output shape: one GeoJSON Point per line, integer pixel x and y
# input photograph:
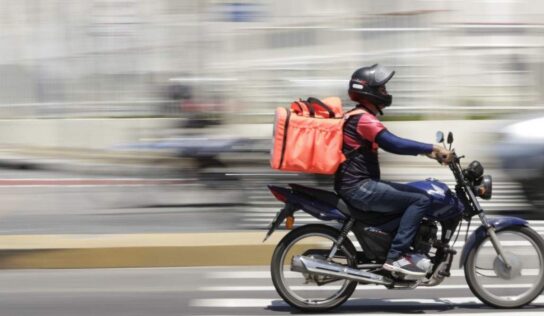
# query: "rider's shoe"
{"type": "Point", "coordinates": [410, 264]}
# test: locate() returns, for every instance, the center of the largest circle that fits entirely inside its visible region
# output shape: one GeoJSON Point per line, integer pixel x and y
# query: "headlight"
{"type": "Point", "coordinates": [484, 188]}
{"type": "Point", "coordinates": [474, 171]}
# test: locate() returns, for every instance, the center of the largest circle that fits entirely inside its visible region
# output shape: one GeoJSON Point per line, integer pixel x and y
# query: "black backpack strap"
{"type": "Point", "coordinates": [310, 107]}
{"type": "Point", "coordinates": [356, 151]}
{"type": "Point", "coordinates": [353, 153]}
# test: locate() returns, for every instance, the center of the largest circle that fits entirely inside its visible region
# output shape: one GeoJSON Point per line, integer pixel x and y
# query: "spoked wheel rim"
{"type": "Point", "coordinates": [302, 287]}
{"type": "Point", "coordinates": [504, 286]}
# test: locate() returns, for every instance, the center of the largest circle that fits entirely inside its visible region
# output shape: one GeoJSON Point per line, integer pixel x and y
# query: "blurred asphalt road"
{"type": "Point", "coordinates": [211, 291]}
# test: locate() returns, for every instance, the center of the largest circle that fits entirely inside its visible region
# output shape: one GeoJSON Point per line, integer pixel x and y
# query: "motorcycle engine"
{"type": "Point", "coordinates": [425, 237]}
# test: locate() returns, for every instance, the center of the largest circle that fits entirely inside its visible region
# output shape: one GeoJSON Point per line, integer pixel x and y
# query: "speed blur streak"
{"type": "Point", "coordinates": [186, 90]}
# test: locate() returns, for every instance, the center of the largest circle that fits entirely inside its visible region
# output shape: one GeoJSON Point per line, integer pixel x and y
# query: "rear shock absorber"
{"type": "Point", "coordinates": [343, 235]}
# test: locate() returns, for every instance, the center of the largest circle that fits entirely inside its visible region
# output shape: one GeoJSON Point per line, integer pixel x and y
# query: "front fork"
{"type": "Point", "coordinates": [488, 227]}
{"type": "Point", "coordinates": [494, 240]}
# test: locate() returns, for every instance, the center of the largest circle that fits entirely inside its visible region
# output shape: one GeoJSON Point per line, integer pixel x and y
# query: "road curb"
{"type": "Point", "coordinates": [136, 250]}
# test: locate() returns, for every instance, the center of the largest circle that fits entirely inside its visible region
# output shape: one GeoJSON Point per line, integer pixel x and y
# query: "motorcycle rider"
{"type": "Point", "coordinates": [358, 178]}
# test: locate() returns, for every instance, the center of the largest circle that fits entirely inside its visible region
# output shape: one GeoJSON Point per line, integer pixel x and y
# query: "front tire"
{"type": "Point", "coordinates": [294, 244]}
{"type": "Point", "coordinates": [495, 284]}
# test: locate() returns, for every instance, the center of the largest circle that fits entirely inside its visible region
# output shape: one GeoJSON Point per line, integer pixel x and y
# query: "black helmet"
{"type": "Point", "coordinates": [366, 83]}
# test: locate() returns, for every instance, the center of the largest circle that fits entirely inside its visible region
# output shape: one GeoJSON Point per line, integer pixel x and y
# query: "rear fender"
{"type": "Point", "coordinates": [479, 234]}
{"type": "Point", "coordinates": [294, 202]}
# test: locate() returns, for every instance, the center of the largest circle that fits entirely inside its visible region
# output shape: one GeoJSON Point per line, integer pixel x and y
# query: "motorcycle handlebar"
{"type": "Point", "coordinates": [455, 159]}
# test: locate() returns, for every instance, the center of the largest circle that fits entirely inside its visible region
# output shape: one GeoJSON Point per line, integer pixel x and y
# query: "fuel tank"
{"type": "Point", "coordinates": [445, 204]}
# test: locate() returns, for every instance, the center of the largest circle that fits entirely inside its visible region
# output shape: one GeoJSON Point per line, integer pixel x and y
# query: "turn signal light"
{"type": "Point", "coordinates": [289, 222]}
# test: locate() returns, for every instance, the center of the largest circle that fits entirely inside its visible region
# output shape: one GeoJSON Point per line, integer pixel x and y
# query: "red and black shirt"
{"type": "Point", "coordinates": [365, 134]}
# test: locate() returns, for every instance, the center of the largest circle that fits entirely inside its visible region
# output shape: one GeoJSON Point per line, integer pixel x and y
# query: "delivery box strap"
{"type": "Point", "coordinates": [320, 103]}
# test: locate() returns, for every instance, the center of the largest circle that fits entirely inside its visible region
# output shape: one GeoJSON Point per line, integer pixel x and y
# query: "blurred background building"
{"type": "Point", "coordinates": [142, 58]}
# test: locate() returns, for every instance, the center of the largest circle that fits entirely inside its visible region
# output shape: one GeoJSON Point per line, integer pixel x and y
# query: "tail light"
{"type": "Point", "coordinates": [279, 193]}
{"type": "Point", "coordinates": [279, 196]}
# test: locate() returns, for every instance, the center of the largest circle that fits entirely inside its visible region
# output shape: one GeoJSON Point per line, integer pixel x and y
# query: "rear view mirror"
{"type": "Point", "coordinates": [439, 137]}
{"type": "Point", "coordinates": [450, 137]}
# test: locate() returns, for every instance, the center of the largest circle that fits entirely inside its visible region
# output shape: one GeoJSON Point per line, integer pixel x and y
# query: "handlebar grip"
{"type": "Point", "coordinates": [442, 159]}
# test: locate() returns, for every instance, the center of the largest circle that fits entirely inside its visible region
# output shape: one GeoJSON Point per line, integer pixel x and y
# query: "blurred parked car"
{"type": "Point", "coordinates": [521, 152]}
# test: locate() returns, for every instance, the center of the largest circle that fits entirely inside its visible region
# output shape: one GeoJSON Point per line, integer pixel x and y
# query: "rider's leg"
{"type": "Point", "coordinates": [389, 197]}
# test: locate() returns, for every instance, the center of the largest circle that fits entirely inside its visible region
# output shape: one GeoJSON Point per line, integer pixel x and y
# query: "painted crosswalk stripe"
{"type": "Point", "coordinates": [265, 274]}
{"type": "Point", "coordinates": [262, 303]}
{"type": "Point", "coordinates": [494, 313]}
{"type": "Point", "coordinates": [265, 288]}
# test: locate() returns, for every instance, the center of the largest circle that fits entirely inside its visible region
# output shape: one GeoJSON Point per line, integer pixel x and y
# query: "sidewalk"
{"type": "Point", "coordinates": [136, 250]}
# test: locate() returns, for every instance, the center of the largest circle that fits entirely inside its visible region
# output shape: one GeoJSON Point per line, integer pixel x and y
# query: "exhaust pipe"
{"type": "Point", "coordinates": [305, 264]}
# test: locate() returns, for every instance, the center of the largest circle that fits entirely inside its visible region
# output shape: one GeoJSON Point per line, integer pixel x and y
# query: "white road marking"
{"type": "Point", "coordinates": [265, 274]}
{"type": "Point", "coordinates": [359, 288]}
{"type": "Point", "coordinates": [509, 313]}
{"type": "Point", "coordinates": [263, 303]}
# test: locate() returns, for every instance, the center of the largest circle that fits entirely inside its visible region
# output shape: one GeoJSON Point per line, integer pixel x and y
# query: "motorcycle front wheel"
{"type": "Point", "coordinates": [498, 285]}
{"type": "Point", "coordinates": [306, 291]}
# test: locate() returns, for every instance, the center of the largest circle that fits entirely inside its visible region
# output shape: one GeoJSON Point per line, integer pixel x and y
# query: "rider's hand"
{"type": "Point", "coordinates": [441, 154]}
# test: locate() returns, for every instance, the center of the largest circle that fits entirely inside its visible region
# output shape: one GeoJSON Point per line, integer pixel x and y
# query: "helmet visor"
{"type": "Point", "coordinates": [382, 75]}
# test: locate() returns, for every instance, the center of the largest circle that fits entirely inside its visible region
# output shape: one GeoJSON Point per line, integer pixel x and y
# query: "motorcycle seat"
{"type": "Point", "coordinates": [333, 199]}
{"type": "Point", "coordinates": [327, 197]}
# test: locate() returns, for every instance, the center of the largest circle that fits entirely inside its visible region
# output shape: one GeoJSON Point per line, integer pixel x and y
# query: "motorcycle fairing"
{"type": "Point", "coordinates": [479, 234]}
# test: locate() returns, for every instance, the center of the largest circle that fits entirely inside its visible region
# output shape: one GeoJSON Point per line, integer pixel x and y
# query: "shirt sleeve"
{"type": "Point", "coordinates": [401, 146]}
{"type": "Point", "coordinates": [369, 127]}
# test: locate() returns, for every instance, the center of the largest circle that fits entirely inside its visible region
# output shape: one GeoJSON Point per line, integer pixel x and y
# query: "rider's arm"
{"type": "Point", "coordinates": [371, 129]}
{"type": "Point", "coordinates": [401, 146]}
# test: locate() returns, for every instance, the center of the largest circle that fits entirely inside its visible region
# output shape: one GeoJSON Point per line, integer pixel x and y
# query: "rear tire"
{"type": "Point", "coordinates": [279, 257]}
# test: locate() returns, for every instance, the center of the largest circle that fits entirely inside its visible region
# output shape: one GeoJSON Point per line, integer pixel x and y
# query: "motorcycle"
{"type": "Point", "coordinates": [316, 267]}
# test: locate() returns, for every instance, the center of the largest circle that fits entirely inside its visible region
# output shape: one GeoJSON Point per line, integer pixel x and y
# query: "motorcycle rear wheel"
{"type": "Point", "coordinates": [496, 285]}
{"type": "Point", "coordinates": [303, 240]}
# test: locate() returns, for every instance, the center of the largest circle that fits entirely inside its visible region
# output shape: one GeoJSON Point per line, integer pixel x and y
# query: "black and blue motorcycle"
{"type": "Point", "coordinates": [316, 267]}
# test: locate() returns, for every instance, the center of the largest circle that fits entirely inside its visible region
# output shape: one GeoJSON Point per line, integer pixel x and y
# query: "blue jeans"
{"type": "Point", "coordinates": [389, 198]}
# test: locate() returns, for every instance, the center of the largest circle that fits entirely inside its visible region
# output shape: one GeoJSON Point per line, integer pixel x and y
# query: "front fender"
{"type": "Point", "coordinates": [479, 234]}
